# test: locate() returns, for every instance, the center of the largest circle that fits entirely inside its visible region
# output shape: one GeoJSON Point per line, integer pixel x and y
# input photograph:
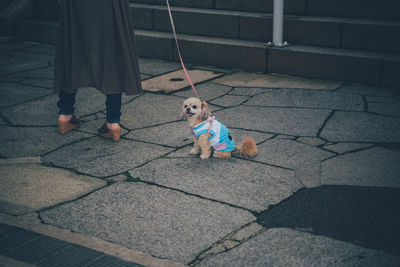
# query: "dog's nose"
{"type": "Point", "coordinates": [187, 109]}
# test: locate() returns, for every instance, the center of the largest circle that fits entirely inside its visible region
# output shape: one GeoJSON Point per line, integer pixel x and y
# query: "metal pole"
{"type": "Point", "coordinates": [277, 34]}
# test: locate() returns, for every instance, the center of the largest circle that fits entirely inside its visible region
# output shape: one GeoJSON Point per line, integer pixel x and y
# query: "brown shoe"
{"type": "Point", "coordinates": [106, 132]}
{"type": "Point", "coordinates": [65, 126]}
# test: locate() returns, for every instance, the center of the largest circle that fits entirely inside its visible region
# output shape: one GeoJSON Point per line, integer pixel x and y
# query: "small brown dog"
{"type": "Point", "coordinates": [209, 132]}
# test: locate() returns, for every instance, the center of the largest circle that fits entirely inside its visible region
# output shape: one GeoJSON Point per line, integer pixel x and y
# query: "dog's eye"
{"type": "Point", "coordinates": [194, 106]}
{"type": "Point", "coordinates": [186, 106]}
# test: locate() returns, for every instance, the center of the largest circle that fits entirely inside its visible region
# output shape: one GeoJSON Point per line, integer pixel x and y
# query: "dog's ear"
{"type": "Point", "coordinates": [205, 112]}
{"type": "Point", "coordinates": [182, 114]}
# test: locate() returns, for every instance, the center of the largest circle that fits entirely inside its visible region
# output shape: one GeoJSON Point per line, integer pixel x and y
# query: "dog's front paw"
{"type": "Point", "coordinates": [194, 151]}
{"type": "Point", "coordinates": [204, 156]}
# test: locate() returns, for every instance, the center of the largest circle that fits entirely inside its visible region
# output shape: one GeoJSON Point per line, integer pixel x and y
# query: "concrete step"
{"type": "Point", "coordinates": [377, 35]}
{"type": "Point", "coordinates": [383, 9]}
{"type": "Point", "coordinates": [375, 68]}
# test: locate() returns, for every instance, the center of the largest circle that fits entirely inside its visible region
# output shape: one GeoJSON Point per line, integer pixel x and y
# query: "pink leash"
{"type": "Point", "coordinates": [179, 52]}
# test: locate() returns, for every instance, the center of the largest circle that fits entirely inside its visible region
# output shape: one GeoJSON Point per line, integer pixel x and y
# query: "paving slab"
{"type": "Point", "coordinates": [247, 79]}
{"type": "Point", "coordinates": [290, 154]}
{"type": "Point", "coordinates": [229, 100]}
{"type": "Point", "coordinates": [34, 141]}
{"type": "Point", "coordinates": [151, 110]}
{"type": "Point", "coordinates": [368, 90]}
{"type": "Point", "coordinates": [346, 147]}
{"type": "Point", "coordinates": [293, 121]}
{"type": "Point", "coordinates": [371, 167]}
{"type": "Point", "coordinates": [154, 67]}
{"type": "Point", "coordinates": [43, 72]}
{"type": "Point", "coordinates": [177, 80]}
{"type": "Point", "coordinates": [103, 157]}
{"type": "Point", "coordinates": [286, 247]}
{"type": "Point", "coordinates": [39, 82]}
{"type": "Point", "coordinates": [308, 99]}
{"type": "Point", "coordinates": [13, 93]}
{"type": "Point", "coordinates": [239, 182]}
{"type": "Point", "coordinates": [250, 91]}
{"type": "Point", "coordinates": [32, 187]}
{"type": "Point", "coordinates": [391, 109]}
{"type": "Point", "coordinates": [361, 127]}
{"type": "Point", "coordinates": [206, 91]}
{"type": "Point", "coordinates": [165, 223]}
{"type": "Point", "coordinates": [175, 134]}
{"type": "Point", "coordinates": [312, 141]}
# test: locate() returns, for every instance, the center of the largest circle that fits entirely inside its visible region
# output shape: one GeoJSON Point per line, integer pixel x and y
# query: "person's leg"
{"type": "Point", "coordinates": [113, 108]}
{"type": "Point", "coordinates": [111, 128]}
{"type": "Point", "coordinates": [66, 120]}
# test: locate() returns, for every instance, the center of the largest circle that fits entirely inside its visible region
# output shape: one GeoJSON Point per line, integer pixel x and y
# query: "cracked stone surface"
{"type": "Point", "coordinates": [30, 187]}
{"type": "Point", "coordinates": [288, 247]}
{"type": "Point", "coordinates": [102, 157]}
{"type": "Point", "coordinates": [151, 110]}
{"type": "Point", "coordinates": [174, 134]}
{"type": "Point", "coordinates": [177, 80]}
{"type": "Point", "coordinates": [206, 91]}
{"type": "Point", "coordinates": [154, 67]}
{"type": "Point", "coordinates": [300, 122]}
{"type": "Point", "coordinates": [32, 141]}
{"type": "Point", "coordinates": [371, 167]}
{"type": "Point", "coordinates": [246, 79]}
{"type": "Point", "coordinates": [290, 154]}
{"type": "Point", "coordinates": [308, 99]}
{"type": "Point", "coordinates": [12, 93]}
{"type": "Point", "coordinates": [242, 183]}
{"type": "Point", "coordinates": [346, 147]}
{"type": "Point", "coordinates": [154, 197]}
{"type": "Point", "coordinates": [164, 223]}
{"type": "Point", "coordinates": [361, 127]}
{"type": "Point", "coordinates": [229, 100]}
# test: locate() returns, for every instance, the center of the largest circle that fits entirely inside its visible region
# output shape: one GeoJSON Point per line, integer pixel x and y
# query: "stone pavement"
{"type": "Point", "coordinates": [323, 190]}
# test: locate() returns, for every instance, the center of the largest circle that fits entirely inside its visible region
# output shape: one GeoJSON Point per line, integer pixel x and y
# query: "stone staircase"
{"type": "Point", "coordinates": [350, 40]}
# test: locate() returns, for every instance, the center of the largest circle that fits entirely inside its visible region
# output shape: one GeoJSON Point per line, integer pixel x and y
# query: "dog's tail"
{"type": "Point", "coordinates": [248, 147]}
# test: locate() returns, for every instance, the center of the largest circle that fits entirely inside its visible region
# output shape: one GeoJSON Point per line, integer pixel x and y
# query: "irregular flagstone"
{"type": "Point", "coordinates": [308, 99]}
{"type": "Point", "coordinates": [229, 100]}
{"type": "Point", "coordinates": [381, 99]}
{"type": "Point", "coordinates": [20, 66]}
{"type": "Point", "coordinates": [293, 121]}
{"type": "Point", "coordinates": [151, 110]}
{"type": "Point", "coordinates": [177, 80]}
{"type": "Point", "coordinates": [165, 223]}
{"type": "Point", "coordinates": [361, 127]}
{"type": "Point", "coordinates": [371, 167]}
{"type": "Point", "coordinates": [103, 157]}
{"type": "Point", "coordinates": [239, 135]}
{"type": "Point", "coordinates": [246, 91]}
{"type": "Point", "coordinates": [174, 134]}
{"type": "Point", "coordinates": [242, 183]}
{"type": "Point", "coordinates": [286, 247]}
{"type": "Point", "coordinates": [290, 154]}
{"type": "Point", "coordinates": [391, 109]}
{"type": "Point", "coordinates": [39, 82]}
{"type": "Point", "coordinates": [36, 72]}
{"type": "Point", "coordinates": [246, 79]}
{"type": "Point", "coordinates": [346, 147]}
{"type": "Point", "coordinates": [312, 141]}
{"type": "Point", "coordinates": [156, 67]}
{"type": "Point", "coordinates": [368, 90]}
{"type": "Point", "coordinates": [13, 93]}
{"type": "Point", "coordinates": [206, 91]}
{"type": "Point", "coordinates": [31, 141]}
{"type": "Point", "coordinates": [31, 187]}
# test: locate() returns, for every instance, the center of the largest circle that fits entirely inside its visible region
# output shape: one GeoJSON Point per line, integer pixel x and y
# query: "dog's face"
{"type": "Point", "coordinates": [194, 110]}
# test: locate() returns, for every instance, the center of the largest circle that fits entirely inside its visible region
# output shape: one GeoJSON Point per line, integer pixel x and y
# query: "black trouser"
{"type": "Point", "coordinates": [113, 105]}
